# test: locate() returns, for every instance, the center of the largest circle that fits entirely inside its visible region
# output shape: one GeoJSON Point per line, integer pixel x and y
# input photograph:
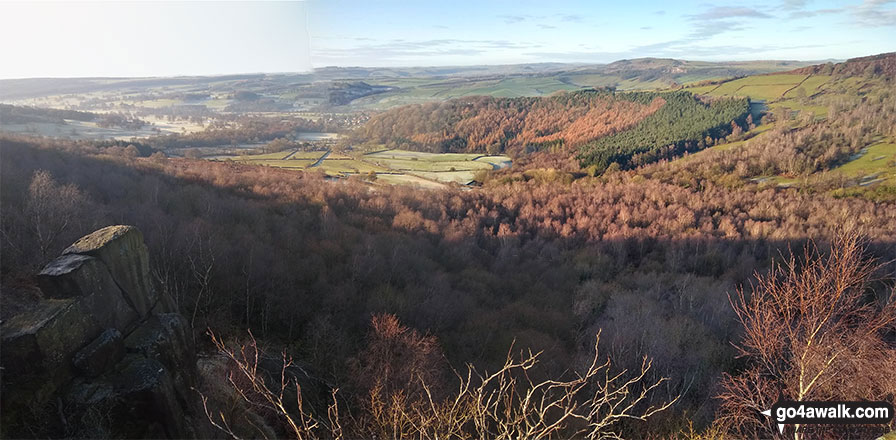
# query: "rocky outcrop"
{"type": "Point", "coordinates": [104, 354]}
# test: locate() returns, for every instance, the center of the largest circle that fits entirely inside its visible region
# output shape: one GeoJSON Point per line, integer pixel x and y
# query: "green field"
{"type": "Point", "coordinates": [513, 87]}
{"type": "Point", "coordinates": [262, 156]}
{"type": "Point", "coordinates": [783, 90]}
{"type": "Point", "coordinates": [762, 80]}
{"type": "Point", "coordinates": [769, 92]}
{"type": "Point", "coordinates": [876, 163]}
{"type": "Point", "coordinates": [769, 87]}
{"type": "Point", "coordinates": [810, 85]}
{"type": "Point", "coordinates": [291, 159]}
{"type": "Point", "coordinates": [448, 167]}
{"type": "Point", "coordinates": [286, 156]}
{"type": "Point", "coordinates": [338, 167]}
{"type": "Point", "coordinates": [307, 155]}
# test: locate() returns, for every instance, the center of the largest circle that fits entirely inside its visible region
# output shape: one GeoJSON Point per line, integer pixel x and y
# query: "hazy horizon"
{"type": "Point", "coordinates": [107, 40]}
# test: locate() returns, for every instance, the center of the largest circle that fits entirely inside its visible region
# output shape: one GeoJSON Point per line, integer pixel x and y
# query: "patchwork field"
{"type": "Point", "coordinates": [292, 159]}
{"type": "Point", "coordinates": [448, 167]}
{"type": "Point", "coordinates": [769, 87]}
{"type": "Point", "coordinates": [799, 93]}
{"type": "Point", "coordinates": [392, 167]}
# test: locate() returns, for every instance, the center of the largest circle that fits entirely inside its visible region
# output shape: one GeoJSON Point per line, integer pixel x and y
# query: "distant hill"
{"type": "Point", "coordinates": [31, 87]}
{"type": "Point", "coordinates": [883, 64]}
{"type": "Point", "coordinates": [533, 79]}
{"type": "Point", "coordinates": [545, 79]}
{"type": "Point", "coordinates": [680, 71]}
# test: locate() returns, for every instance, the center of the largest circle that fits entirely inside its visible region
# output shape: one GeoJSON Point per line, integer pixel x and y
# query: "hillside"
{"type": "Point", "coordinates": [486, 124]}
{"type": "Point", "coordinates": [542, 262]}
{"type": "Point", "coordinates": [684, 123]}
{"type": "Point", "coordinates": [646, 221]}
{"type": "Point", "coordinates": [881, 64]}
{"type": "Point", "coordinates": [606, 127]}
{"type": "Point", "coordinates": [326, 88]}
{"type": "Point", "coordinates": [827, 128]}
{"type": "Point", "coordinates": [542, 80]}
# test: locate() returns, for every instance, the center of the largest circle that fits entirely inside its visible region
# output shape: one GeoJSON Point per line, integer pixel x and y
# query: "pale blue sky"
{"type": "Point", "coordinates": [385, 33]}
{"type": "Point", "coordinates": [160, 39]}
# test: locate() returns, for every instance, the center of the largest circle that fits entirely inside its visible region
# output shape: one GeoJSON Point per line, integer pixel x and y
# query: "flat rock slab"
{"type": "Point", "coordinates": [88, 279]}
{"type": "Point", "coordinates": [122, 250]}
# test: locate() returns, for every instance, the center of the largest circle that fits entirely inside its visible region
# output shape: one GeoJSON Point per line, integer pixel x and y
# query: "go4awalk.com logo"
{"type": "Point", "coordinates": [788, 412]}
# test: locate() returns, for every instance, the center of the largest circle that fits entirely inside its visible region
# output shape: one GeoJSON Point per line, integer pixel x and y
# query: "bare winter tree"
{"type": "Point", "coordinates": [52, 209]}
{"type": "Point", "coordinates": [506, 404]}
{"type": "Point", "coordinates": [812, 331]}
{"type": "Point", "coordinates": [202, 263]}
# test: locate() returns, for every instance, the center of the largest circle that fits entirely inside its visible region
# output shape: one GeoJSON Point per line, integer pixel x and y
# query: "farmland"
{"type": "Point", "coordinates": [428, 170]}
{"type": "Point", "coordinates": [766, 87]}
{"type": "Point", "coordinates": [798, 92]}
{"type": "Point", "coordinates": [875, 163]}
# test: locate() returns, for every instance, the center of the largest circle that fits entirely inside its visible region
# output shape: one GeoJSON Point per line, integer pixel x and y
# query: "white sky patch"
{"type": "Point", "coordinates": [51, 39]}
{"type": "Point", "coordinates": [42, 39]}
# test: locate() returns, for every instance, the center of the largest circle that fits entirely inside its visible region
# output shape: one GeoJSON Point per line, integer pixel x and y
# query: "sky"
{"type": "Point", "coordinates": [74, 39]}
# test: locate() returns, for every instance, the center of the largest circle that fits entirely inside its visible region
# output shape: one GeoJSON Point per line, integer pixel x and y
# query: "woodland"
{"type": "Point", "coordinates": [690, 270]}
